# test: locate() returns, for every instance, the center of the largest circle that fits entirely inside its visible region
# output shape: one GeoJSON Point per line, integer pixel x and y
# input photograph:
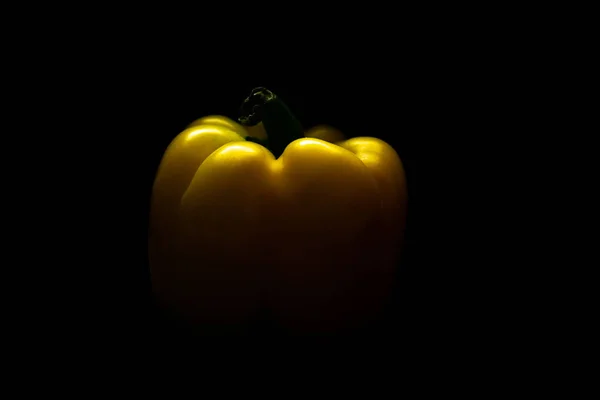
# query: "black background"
{"type": "Point", "coordinates": [454, 91]}
{"type": "Point", "coordinates": [437, 106]}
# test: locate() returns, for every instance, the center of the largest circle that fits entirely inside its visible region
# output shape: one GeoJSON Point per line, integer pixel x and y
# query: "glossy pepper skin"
{"type": "Point", "coordinates": [310, 236]}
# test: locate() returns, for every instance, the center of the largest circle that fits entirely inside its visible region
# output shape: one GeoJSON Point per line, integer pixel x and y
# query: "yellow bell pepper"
{"type": "Point", "coordinates": [265, 218]}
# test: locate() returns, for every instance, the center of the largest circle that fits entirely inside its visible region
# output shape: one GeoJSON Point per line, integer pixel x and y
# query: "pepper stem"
{"type": "Point", "coordinates": [281, 126]}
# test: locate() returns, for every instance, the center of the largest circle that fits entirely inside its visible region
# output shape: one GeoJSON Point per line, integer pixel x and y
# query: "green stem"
{"type": "Point", "coordinates": [280, 124]}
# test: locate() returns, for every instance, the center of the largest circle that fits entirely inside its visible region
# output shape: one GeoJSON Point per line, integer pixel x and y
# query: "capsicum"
{"type": "Point", "coordinates": [258, 216]}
